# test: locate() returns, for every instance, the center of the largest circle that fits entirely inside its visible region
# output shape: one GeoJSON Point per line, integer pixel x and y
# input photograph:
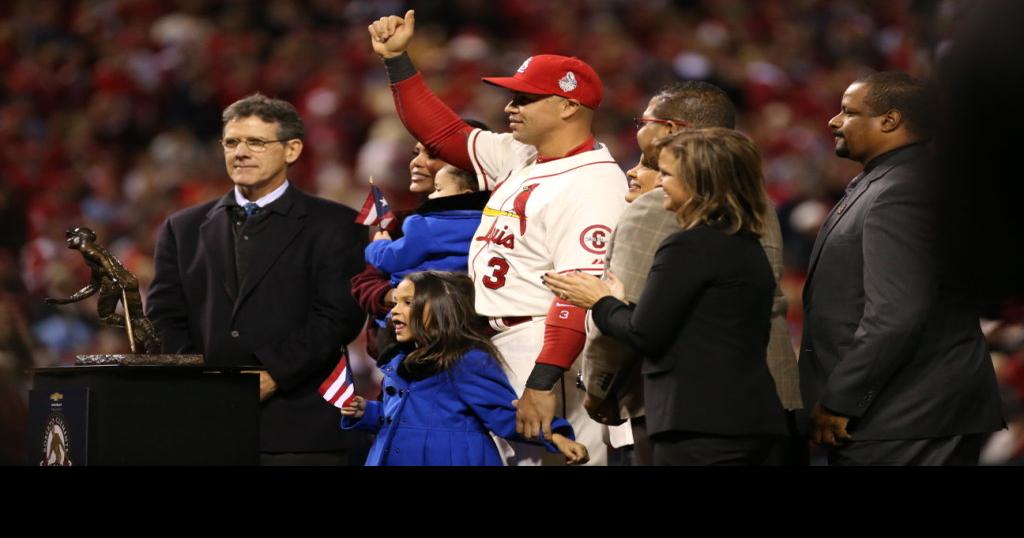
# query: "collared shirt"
{"type": "Point", "coordinates": [247, 230]}
{"type": "Point", "coordinates": [265, 200]}
{"type": "Point", "coordinates": [877, 161]}
{"type": "Point", "coordinates": [891, 154]}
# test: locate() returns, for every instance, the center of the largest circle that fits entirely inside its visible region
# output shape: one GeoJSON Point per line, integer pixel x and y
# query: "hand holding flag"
{"type": "Point", "coordinates": [375, 211]}
{"type": "Point", "coordinates": [338, 388]}
{"type": "Point", "coordinates": [356, 409]}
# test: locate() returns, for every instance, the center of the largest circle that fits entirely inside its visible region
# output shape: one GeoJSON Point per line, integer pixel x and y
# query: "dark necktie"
{"type": "Point", "coordinates": [250, 209]}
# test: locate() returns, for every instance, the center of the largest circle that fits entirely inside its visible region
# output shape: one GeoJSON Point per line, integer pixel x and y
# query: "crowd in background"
{"type": "Point", "coordinates": [110, 115]}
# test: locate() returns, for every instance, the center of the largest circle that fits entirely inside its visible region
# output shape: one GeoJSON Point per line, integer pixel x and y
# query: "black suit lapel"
{"type": "Point", "coordinates": [841, 209]}
{"type": "Point", "coordinates": [274, 241]}
{"type": "Point", "coordinates": [833, 218]}
{"type": "Point", "coordinates": [820, 238]}
{"type": "Point", "coordinates": [875, 170]}
{"type": "Point", "coordinates": [217, 242]}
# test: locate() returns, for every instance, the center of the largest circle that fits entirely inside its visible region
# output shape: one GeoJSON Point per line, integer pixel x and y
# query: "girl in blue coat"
{"type": "Point", "coordinates": [444, 388]}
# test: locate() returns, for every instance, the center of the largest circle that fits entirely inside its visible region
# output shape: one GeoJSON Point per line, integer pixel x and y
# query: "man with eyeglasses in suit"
{"type": "Point", "coordinates": [260, 277]}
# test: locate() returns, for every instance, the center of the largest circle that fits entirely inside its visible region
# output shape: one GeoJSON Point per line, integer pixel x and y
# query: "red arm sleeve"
{"type": "Point", "coordinates": [431, 122]}
{"type": "Point", "coordinates": [564, 335]}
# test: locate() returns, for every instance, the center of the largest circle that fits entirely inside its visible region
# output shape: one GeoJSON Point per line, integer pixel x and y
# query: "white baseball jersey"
{"type": "Point", "coordinates": [553, 216]}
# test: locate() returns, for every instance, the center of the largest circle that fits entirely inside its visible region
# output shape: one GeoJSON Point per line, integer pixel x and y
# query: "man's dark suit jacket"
{"type": "Point", "coordinates": [293, 315]}
{"type": "Point", "coordinates": [888, 338]}
{"type": "Point", "coordinates": [702, 324]}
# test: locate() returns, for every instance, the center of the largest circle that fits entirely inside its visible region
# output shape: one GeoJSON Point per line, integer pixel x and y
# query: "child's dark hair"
{"type": "Point", "coordinates": [443, 318]}
{"type": "Point", "coordinates": [465, 178]}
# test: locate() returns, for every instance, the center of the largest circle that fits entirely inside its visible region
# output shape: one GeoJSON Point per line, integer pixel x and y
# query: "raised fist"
{"type": "Point", "coordinates": [390, 35]}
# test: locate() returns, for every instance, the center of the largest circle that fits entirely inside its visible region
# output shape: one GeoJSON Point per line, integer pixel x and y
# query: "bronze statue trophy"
{"type": "Point", "coordinates": [116, 284]}
{"type": "Point", "coordinates": [143, 407]}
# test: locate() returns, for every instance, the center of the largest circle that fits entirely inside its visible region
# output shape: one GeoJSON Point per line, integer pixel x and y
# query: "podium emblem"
{"type": "Point", "coordinates": [56, 442]}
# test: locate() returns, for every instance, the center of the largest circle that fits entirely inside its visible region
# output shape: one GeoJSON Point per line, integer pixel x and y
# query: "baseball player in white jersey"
{"type": "Point", "coordinates": [557, 195]}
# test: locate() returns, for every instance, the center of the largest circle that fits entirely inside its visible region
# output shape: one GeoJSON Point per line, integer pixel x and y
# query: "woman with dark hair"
{"type": "Point", "coordinates": [703, 319]}
{"type": "Point", "coordinates": [444, 387]}
{"type": "Point", "coordinates": [373, 289]}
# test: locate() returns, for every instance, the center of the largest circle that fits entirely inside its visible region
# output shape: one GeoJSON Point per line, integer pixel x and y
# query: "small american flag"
{"type": "Point", "coordinates": [375, 211]}
{"type": "Point", "coordinates": [338, 389]}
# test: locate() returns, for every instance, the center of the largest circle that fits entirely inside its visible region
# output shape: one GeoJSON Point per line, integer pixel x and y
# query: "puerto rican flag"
{"type": "Point", "coordinates": [338, 389]}
{"type": "Point", "coordinates": [375, 211]}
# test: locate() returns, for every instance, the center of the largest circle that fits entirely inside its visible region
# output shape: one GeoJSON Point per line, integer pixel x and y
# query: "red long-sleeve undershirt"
{"type": "Point", "coordinates": [431, 122]}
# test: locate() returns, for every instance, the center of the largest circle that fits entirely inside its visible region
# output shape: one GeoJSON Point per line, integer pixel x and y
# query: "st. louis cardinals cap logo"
{"type": "Point", "coordinates": [594, 238]}
{"type": "Point", "coordinates": [522, 68]}
{"type": "Point", "coordinates": [568, 82]}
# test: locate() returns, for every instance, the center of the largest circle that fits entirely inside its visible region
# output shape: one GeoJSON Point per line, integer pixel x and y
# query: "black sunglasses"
{"type": "Point", "coordinates": [523, 99]}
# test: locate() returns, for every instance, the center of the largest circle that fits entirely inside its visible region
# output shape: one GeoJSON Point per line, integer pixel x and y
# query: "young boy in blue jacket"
{"type": "Point", "coordinates": [438, 234]}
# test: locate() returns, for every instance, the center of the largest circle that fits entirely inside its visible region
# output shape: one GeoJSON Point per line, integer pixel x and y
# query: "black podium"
{"type": "Point", "coordinates": [143, 415]}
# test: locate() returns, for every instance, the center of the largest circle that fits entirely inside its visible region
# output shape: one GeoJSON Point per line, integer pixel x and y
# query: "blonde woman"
{"type": "Point", "coordinates": [703, 320]}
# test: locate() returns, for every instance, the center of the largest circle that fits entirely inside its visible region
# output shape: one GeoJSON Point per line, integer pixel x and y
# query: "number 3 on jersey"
{"type": "Point", "coordinates": [496, 279]}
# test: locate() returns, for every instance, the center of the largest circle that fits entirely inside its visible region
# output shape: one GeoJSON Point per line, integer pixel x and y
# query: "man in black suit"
{"type": "Point", "coordinates": [893, 363]}
{"type": "Point", "coordinates": [260, 277]}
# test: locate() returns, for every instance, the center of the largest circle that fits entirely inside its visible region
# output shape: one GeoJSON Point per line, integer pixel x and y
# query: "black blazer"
{"type": "Point", "coordinates": [293, 316]}
{"type": "Point", "coordinates": [702, 324]}
{"type": "Point", "coordinates": [888, 338]}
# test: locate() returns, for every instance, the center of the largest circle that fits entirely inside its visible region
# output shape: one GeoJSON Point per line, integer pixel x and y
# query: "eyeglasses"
{"type": "Point", "coordinates": [640, 122]}
{"type": "Point", "coordinates": [257, 145]}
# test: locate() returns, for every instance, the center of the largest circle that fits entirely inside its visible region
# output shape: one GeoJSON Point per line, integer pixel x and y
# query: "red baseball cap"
{"type": "Point", "coordinates": [550, 74]}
